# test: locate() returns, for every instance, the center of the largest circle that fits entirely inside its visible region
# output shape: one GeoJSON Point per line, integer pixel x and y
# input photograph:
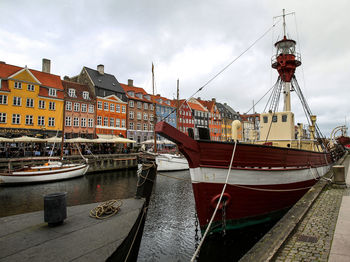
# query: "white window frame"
{"type": "Point", "coordinates": [105, 121]}
{"type": "Point", "coordinates": [68, 121]}
{"type": "Point", "coordinates": [3, 118]}
{"type": "Point", "coordinates": [71, 92]}
{"type": "Point", "coordinates": [117, 122]}
{"type": "Point", "coordinates": [106, 106]}
{"type": "Point", "coordinates": [76, 121]}
{"type": "Point", "coordinates": [42, 104]}
{"type": "Point", "coordinates": [117, 108]}
{"type": "Point", "coordinates": [51, 121]}
{"type": "Point", "coordinates": [99, 105]}
{"type": "Point", "coordinates": [17, 118]}
{"type": "Point", "coordinates": [111, 107]}
{"type": "Point", "coordinates": [90, 122]}
{"type": "Point", "coordinates": [83, 122]}
{"type": "Point", "coordinates": [99, 120]}
{"type": "Point", "coordinates": [123, 109]}
{"type": "Point", "coordinates": [86, 95]}
{"type": "Point", "coordinates": [91, 108]}
{"type": "Point", "coordinates": [84, 108]}
{"type": "Point", "coordinates": [52, 105]}
{"type": "Point", "coordinates": [76, 107]}
{"type": "Point", "coordinates": [30, 102]}
{"type": "Point", "coordinates": [30, 87]}
{"type": "Point", "coordinates": [68, 105]}
{"type": "Point", "coordinates": [17, 101]}
{"type": "Point", "coordinates": [52, 92]}
{"type": "Point", "coordinates": [123, 123]}
{"type": "Point", "coordinates": [3, 99]}
{"type": "Point", "coordinates": [131, 103]}
{"type": "Point", "coordinates": [18, 85]}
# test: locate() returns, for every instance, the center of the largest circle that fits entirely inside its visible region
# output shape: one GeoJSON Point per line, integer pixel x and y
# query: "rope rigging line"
{"type": "Point", "coordinates": [217, 205]}
{"type": "Point", "coordinates": [227, 66]}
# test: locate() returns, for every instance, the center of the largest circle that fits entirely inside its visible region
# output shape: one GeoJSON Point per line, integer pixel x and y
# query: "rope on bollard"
{"type": "Point", "coordinates": [106, 209]}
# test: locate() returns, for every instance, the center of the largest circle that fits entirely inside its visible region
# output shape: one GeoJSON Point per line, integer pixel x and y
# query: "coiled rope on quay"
{"type": "Point", "coordinates": [106, 209]}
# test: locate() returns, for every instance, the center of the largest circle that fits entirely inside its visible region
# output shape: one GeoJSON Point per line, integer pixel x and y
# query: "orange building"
{"type": "Point", "coordinates": [110, 116]}
{"type": "Point", "coordinates": [215, 124]}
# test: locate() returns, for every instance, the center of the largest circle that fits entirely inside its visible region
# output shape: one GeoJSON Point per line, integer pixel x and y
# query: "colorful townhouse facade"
{"type": "Point", "coordinates": [215, 121]}
{"type": "Point", "coordinates": [165, 111]}
{"type": "Point", "coordinates": [186, 119]}
{"type": "Point", "coordinates": [31, 101]}
{"type": "Point", "coordinates": [200, 116]}
{"type": "Point", "coordinates": [111, 116]}
{"type": "Point", "coordinates": [141, 116]}
{"type": "Point", "coordinates": [79, 111]}
{"type": "Point", "coordinates": [250, 126]}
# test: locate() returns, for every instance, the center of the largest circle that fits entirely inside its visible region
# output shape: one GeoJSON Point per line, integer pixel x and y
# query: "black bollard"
{"type": "Point", "coordinates": [55, 208]}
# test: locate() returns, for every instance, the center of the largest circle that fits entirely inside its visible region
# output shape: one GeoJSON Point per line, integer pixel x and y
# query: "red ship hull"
{"type": "Point", "coordinates": [264, 180]}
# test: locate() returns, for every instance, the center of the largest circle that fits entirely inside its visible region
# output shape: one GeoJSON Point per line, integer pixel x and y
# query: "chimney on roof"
{"type": "Point", "coordinates": [46, 68]}
{"type": "Point", "coordinates": [2, 62]}
{"type": "Point", "coordinates": [199, 98]}
{"type": "Point", "coordinates": [130, 82]}
{"type": "Point", "coordinates": [225, 104]}
{"type": "Point", "coordinates": [66, 78]}
{"type": "Point", "coordinates": [101, 69]}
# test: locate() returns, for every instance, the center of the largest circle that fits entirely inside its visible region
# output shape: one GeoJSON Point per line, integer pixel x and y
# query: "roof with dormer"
{"type": "Point", "coordinates": [79, 89]}
{"type": "Point", "coordinates": [136, 90]}
{"type": "Point", "coordinates": [195, 105]}
{"type": "Point", "coordinates": [45, 79]}
{"type": "Point", "coordinates": [105, 81]}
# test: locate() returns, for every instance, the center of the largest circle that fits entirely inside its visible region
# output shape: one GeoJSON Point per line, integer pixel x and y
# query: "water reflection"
{"type": "Point", "coordinates": [87, 189]}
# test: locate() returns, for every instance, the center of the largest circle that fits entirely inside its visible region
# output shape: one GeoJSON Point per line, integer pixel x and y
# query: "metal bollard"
{"type": "Point", "coordinates": [339, 174]}
{"type": "Point", "coordinates": [55, 208]}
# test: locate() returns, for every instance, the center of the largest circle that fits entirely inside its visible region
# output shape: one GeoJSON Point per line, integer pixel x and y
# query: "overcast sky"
{"type": "Point", "coordinates": [189, 40]}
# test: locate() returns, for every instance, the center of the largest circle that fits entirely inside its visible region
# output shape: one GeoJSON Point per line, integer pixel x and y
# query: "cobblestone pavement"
{"type": "Point", "coordinates": [312, 239]}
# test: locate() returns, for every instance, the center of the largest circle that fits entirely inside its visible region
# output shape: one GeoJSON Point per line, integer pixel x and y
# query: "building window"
{"type": "Point", "coordinates": [30, 102]}
{"type": "Point", "coordinates": [84, 108]}
{"type": "Point", "coordinates": [52, 92]}
{"type": "Point", "coordinates": [111, 107]}
{"type": "Point", "coordinates": [117, 108]}
{"type": "Point", "coordinates": [91, 108]}
{"type": "Point", "coordinates": [68, 106]}
{"type": "Point", "coordinates": [30, 87]}
{"type": "Point", "coordinates": [83, 122]}
{"type": "Point", "coordinates": [111, 121]}
{"type": "Point", "coordinates": [284, 118]}
{"type": "Point", "coordinates": [29, 120]}
{"type": "Point", "coordinates": [106, 107]}
{"type": "Point", "coordinates": [131, 125]}
{"type": "Point", "coordinates": [76, 107]}
{"type": "Point", "coordinates": [3, 118]}
{"type": "Point", "coordinates": [68, 121]}
{"type": "Point", "coordinates": [76, 121]}
{"type": "Point", "coordinates": [145, 106]}
{"type": "Point", "coordinates": [138, 116]}
{"type": "Point", "coordinates": [105, 121]}
{"type": "Point", "coordinates": [265, 119]}
{"type": "Point", "coordinates": [151, 117]}
{"type": "Point", "coordinates": [52, 105]}
{"type": "Point", "coordinates": [99, 105]}
{"type": "Point", "coordinates": [3, 99]}
{"type": "Point", "coordinates": [99, 120]}
{"type": "Point", "coordinates": [18, 85]}
{"type": "Point", "coordinates": [86, 95]}
{"type": "Point", "coordinates": [123, 109]}
{"type": "Point", "coordinates": [42, 104]}
{"type": "Point", "coordinates": [16, 119]}
{"type": "Point", "coordinates": [123, 123]}
{"type": "Point", "coordinates": [151, 127]}
{"type": "Point", "coordinates": [91, 122]}
{"type": "Point", "coordinates": [131, 103]}
{"type": "Point", "coordinates": [139, 105]}
{"type": "Point", "coordinates": [17, 101]}
{"type": "Point", "coordinates": [138, 126]}
{"type": "Point", "coordinates": [145, 127]}
{"type": "Point", "coordinates": [274, 119]}
{"type": "Point", "coordinates": [131, 114]}
{"type": "Point", "coordinates": [71, 92]}
{"type": "Point", "coordinates": [151, 107]}
{"type": "Point", "coordinates": [145, 116]}
{"type": "Point", "coordinates": [51, 121]}
{"type": "Point", "coordinates": [117, 122]}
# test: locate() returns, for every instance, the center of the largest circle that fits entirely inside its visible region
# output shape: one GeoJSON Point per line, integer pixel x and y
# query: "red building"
{"type": "Point", "coordinates": [215, 124]}
{"type": "Point", "coordinates": [186, 119]}
{"type": "Point", "coordinates": [79, 117]}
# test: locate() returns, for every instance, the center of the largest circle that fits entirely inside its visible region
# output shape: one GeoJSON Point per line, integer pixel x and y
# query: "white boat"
{"type": "Point", "coordinates": [170, 162]}
{"type": "Point", "coordinates": [51, 171]}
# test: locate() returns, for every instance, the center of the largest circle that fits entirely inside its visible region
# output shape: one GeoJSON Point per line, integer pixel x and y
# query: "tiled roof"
{"type": "Point", "coordinates": [164, 99]}
{"type": "Point", "coordinates": [46, 79]}
{"type": "Point", "coordinates": [79, 89]}
{"type": "Point", "coordinates": [197, 107]}
{"type": "Point", "coordinates": [136, 90]}
{"type": "Point", "coordinates": [106, 81]}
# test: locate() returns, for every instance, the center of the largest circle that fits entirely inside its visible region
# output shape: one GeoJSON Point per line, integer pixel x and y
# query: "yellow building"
{"type": "Point", "coordinates": [31, 101]}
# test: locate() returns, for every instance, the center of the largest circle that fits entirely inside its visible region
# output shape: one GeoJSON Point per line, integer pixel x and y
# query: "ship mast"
{"type": "Point", "coordinates": [286, 61]}
{"type": "Point", "coordinates": [154, 113]}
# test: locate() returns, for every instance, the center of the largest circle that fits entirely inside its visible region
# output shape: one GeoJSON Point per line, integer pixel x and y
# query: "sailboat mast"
{"type": "Point", "coordinates": [177, 104]}
{"type": "Point", "coordinates": [154, 113]}
{"type": "Point", "coordinates": [63, 124]}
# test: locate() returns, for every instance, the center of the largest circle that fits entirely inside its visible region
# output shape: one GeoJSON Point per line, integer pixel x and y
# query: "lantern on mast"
{"type": "Point", "coordinates": [285, 62]}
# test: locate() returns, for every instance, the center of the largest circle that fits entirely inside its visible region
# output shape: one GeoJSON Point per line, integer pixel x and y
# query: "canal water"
{"type": "Point", "coordinates": [170, 228]}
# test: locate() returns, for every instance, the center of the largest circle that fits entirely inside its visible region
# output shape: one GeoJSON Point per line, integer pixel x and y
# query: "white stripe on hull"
{"type": "Point", "coordinates": [52, 175]}
{"type": "Point", "coordinates": [256, 177]}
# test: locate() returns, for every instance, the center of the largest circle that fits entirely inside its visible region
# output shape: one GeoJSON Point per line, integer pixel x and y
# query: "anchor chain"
{"type": "Point", "coordinates": [196, 236]}
{"type": "Point", "coordinates": [224, 217]}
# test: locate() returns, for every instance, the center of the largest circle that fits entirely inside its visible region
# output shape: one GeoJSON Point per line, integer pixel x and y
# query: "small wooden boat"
{"type": "Point", "coordinates": [50, 171]}
{"type": "Point", "coordinates": [171, 162]}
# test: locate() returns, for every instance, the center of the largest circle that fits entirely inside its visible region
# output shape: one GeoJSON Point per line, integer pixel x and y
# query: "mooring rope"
{"type": "Point", "coordinates": [217, 205]}
{"type": "Point", "coordinates": [106, 209]}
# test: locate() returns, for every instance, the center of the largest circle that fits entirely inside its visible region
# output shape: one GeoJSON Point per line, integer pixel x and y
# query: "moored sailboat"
{"type": "Point", "coordinates": [257, 182]}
